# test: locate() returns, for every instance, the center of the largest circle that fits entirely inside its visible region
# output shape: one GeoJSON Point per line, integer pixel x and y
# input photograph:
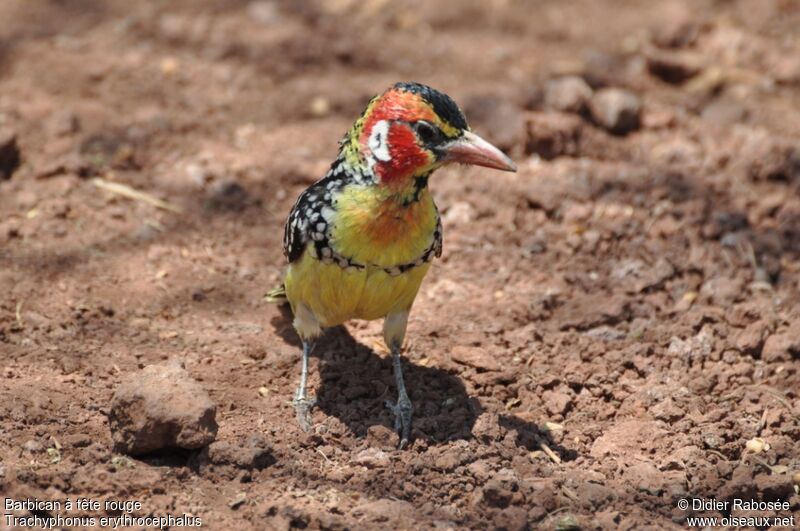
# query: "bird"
{"type": "Point", "coordinates": [360, 240]}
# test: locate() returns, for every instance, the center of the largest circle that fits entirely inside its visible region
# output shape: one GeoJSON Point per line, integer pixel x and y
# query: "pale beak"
{"type": "Point", "coordinates": [472, 149]}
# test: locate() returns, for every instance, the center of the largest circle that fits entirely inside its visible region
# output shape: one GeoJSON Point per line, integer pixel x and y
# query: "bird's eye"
{"type": "Point", "coordinates": [426, 132]}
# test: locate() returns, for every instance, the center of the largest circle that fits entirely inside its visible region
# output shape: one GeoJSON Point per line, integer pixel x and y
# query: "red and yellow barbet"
{"type": "Point", "coordinates": [360, 240]}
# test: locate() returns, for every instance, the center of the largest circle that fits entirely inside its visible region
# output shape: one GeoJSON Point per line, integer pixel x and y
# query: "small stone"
{"type": "Point", "coordinates": [159, 407]}
{"type": "Point", "coordinates": [379, 436]}
{"type": "Point", "coordinates": [10, 154]}
{"type": "Point", "coordinates": [667, 411]}
{"type": "Point", "coordinates": [674, 67]}
{"type": "Point", "coordinates": [782, 346]}
{"type": "Point", "coordinates": [616, 110]}
{"type": "Point", "coordinates": [722, 291]}
{"type": "Point", "coordinates": [751, 339]}
{"type": "Point", "coordinates": [319, 107]}
{"type": "Point", "coordinates": [556, 402]}
{"type": "Point", "coordinates": [568, 94]}
{"type": "Point", "coordinates": [372, 458]}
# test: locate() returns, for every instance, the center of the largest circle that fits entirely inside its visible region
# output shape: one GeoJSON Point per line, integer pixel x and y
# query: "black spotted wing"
{"type": "Point", "coordinates": [306, 222]}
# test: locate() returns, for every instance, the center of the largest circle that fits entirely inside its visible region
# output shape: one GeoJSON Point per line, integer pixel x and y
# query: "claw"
{"type": "Point", "coordinates": [302, 406]}
{"type": "Point", "coordinates": [402, 410]}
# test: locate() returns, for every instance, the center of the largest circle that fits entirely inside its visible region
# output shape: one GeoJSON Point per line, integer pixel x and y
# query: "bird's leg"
{"type": "Point", "coordinates": [403, 409]}
{"type": "Point", "coordinates": [302, 404]}
{"type": "Point", "coordinates": [394, 330]}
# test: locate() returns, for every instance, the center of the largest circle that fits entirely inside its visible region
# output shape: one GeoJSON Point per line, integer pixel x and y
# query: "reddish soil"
{"type": "Point", "coordinates": [629, 303]}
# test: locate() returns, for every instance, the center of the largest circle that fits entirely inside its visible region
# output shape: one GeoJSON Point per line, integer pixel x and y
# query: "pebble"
{"type": "Point", "coordinates": [781, 346]}
{"type": "Point", "coordinates": [372, 458]}
{"type": "Point", "coordinates": [616, 110]}
{"type": "Point", "coordinates": [567, 94]}
{"type": "Point", "coordinates": [674, 67]}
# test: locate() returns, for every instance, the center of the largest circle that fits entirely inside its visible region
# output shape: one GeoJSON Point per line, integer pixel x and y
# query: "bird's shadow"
{"type": "Point", "coordinates": [355, 384]}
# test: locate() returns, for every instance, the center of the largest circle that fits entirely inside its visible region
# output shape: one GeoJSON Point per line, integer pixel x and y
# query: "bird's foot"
{"type": "Point", "coordinates": [302, 406]}
{"type": "Point", "coordinates": [402, 419]}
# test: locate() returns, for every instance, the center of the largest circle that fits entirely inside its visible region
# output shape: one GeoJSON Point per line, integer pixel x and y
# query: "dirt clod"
{"type": "Point", "coordinates": [568, 94]}
{"type": "Point", "coordinates": [161, 407]}
{"type": "Point", "coordinates": [616, 110]}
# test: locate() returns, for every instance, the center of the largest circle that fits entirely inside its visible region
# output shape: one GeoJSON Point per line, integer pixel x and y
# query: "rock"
{"type": "Point", "coordinates": [674, 67]}
{"type": "Point", "coordinates": [667, 411]}
{"type": "Point", "coordinates": [751, 339]}
{"type": "Point", "coordinates": [568, 94]}
{"type": "Point", "coordinates": [480, 470]}
{"type": "Point", "coordinates": [10, 155]}
{"type": "Point", "coordinates": [475, 357]}
{"type": "Point", "coordinates": [499, 491]}
{"type": "Point", "coordinates": [556, 402]}
{"type": "Point", "coordinates": [722, 291]}
{"type": "Point", "coordinates": [553, 134]}
{"type": "Point", "coordinates": [697, 347]}
{"type": "Point", "coordinates": [616, 110]}
{"type": "Point", "coordinates": [161, 407]}
{"type": "Point", "coordinates": [379, 436]}
{"type": "Point", "coordinates": [372, 458]}
{"type": "Point", "coordinates": [781, 346]}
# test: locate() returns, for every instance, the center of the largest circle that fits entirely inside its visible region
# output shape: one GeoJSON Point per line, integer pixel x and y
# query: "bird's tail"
{"type": "Point", "coordinates": [276, 295]}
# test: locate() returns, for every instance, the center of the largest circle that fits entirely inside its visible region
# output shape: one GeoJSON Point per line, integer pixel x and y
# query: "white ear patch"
{"type": "Point", "coordinates": [379, 141]}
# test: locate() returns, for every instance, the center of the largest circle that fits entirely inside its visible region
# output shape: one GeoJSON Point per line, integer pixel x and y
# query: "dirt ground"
{"type": "Point", "coordinates": [610, 330]}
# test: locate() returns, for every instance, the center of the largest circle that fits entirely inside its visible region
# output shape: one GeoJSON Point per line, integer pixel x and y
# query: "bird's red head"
{"type": "Point", "coordinates": [412, 129]}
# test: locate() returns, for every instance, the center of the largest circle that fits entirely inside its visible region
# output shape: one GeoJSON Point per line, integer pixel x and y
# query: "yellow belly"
{"type": "Point", "coordinates": [336, 295]}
